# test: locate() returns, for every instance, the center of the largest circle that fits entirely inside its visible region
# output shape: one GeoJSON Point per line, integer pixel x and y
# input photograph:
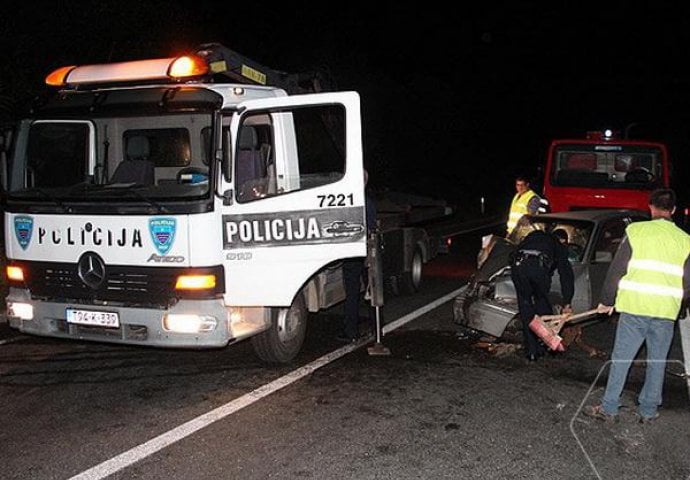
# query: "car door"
{"type": "Point", "coordinates": [604, 246]}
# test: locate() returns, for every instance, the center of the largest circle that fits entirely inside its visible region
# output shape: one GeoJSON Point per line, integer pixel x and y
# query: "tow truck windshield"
{"type": "Point", "coordinates": [142, 159]}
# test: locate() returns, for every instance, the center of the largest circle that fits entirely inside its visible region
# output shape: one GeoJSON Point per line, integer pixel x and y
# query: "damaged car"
{"type": "Point", "coordinates": [488, 303]}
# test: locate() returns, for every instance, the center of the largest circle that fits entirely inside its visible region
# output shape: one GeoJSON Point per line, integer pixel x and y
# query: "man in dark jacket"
{"type": "Point", "coordinates": [533, 263]}
{"type": "Point", "coordinates": [355, 275]}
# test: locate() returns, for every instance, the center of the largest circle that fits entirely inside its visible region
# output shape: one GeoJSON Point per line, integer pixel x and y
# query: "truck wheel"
{"type": "Point", "coordinates": [410, 281]}
{"type": "Point", "coordinates": [283, 340]}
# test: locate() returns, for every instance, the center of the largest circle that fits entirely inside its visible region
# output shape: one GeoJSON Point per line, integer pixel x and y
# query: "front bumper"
{"type": "Point", "coordinates": [485, 314]}
{"type": "Point", "coordinates": [490, 316]}
{"type": "Point", "coordinates": [138, 326]}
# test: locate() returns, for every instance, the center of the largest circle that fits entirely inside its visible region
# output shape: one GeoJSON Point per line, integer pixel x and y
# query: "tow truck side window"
{"type": "Point", "coordinates": [264, 167]}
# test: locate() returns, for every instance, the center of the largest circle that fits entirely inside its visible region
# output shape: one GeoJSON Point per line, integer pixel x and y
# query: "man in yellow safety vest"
{"type": "Point", "coordinates": [649, 278]}
{"type": "Point", "coordinates": [524, 201]}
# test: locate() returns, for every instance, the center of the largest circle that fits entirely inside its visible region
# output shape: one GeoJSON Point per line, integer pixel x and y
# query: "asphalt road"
{"type": "Point", "coordinates": [437, 407]}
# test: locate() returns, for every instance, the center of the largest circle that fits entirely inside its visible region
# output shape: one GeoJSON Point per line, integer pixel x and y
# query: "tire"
{"type": "Point", "coordinates": [278, 344]}
{"type": "Point", "coordinates": [409, 282]}
{"type": "Point", "coordinates": [513, 331]}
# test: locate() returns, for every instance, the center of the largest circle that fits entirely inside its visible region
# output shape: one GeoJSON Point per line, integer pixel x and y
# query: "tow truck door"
{"type": "Point", "coordinates": [311, 215]}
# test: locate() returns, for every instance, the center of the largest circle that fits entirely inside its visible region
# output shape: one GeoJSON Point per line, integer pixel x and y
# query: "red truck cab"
{"type": "Point", "coordinates": [604, 171]}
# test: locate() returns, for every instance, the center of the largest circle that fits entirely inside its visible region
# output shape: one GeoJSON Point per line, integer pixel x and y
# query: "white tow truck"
{"type": "Point", "coordinates": [183, 202]}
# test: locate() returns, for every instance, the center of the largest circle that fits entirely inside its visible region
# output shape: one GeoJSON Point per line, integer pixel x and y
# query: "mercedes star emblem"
{"type": "Point", "coordinates": [91, 269]}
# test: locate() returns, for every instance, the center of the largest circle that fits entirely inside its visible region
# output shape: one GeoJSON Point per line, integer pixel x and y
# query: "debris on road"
{"type": "Point", "coordinates": [573, 336]}
{"type": "Point", "coordinates": [500, 349]}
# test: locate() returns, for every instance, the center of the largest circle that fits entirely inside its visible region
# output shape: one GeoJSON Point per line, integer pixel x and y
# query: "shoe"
{"type": "Point", "coordinates": [534, 356]}
{"type": "Point", "coordinates": [597, 411]}
{"type": "Point", "coordinates": [645, 420]}
{"type": "Point", "coordinates": [342, 338]}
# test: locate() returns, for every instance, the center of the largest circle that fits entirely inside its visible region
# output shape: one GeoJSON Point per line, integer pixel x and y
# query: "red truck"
{"type": "Point", "coordinates": [604, 171]}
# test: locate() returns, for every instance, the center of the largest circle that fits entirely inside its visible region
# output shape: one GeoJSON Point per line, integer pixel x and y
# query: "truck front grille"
{"type": "Point", "coordinates": [123, 284]}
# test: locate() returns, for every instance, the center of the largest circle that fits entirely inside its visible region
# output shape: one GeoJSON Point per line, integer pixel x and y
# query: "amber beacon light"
{"type": "Point", "coordinates": [188, 66]}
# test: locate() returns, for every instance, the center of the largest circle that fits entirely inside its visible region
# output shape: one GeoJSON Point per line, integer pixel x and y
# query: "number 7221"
{"type": "Point", "coordinates": [339, 200]}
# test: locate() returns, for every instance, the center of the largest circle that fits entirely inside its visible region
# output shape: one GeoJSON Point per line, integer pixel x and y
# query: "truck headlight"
{"type": "Point", "coordinates": [189, 323]}
{"type": "Point", "coordinates": [24, 311]}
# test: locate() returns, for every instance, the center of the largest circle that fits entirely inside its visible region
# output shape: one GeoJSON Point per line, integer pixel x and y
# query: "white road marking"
{"type": "Point", "coordinates": [166, 439]}
{"type": "Point", "coordinates": [420, 311]}
{"type": "Point", "coordinates": [12, 339]}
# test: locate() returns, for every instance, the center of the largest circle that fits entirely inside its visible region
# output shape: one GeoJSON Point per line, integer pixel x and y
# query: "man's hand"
{"type": "Point", "coordinates": [607, 309]}
{"type": "Point", "coordinates": [567, 309]}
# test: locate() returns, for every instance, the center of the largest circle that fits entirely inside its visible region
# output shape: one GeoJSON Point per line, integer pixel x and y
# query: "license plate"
{"type": "Point", "coordinates": [94, 318]}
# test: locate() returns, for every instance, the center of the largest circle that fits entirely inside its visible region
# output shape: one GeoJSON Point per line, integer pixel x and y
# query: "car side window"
{"type": "Point", "coordinates": [610, 237]}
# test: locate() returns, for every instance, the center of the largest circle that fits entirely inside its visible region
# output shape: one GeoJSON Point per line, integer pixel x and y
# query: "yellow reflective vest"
{"type": "Point", "coordinates": [653, 283]}
{"type": "Point", "coordinates": [518, 208]}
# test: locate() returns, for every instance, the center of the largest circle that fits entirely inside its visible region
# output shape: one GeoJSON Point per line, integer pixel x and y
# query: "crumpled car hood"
{"type": "Point", "coordinates": [496, 259]}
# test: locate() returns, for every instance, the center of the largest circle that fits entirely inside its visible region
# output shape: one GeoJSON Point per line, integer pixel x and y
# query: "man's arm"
{"type": "Point", "coordinates": [534, 204]}
{"type": "Point", "coordinates": [565, 272]}
{"type": "Point", "coordinates": [686, 279]}
{"type": "Point", "coordinates": [618, 268]}
{"type": "Point", "coordinates": [370, 212]}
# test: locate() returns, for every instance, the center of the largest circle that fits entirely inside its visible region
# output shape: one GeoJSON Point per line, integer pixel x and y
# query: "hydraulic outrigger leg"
{"type": "Point", "coordinates": [375, 286]}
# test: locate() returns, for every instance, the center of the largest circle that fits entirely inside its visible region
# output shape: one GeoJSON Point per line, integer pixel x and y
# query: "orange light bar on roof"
{"type": "Point", "coordinates": [164, 69]}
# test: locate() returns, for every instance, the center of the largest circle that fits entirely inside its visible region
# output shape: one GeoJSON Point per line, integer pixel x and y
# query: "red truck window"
{"type": "Point", "coordinates": [582, 161]}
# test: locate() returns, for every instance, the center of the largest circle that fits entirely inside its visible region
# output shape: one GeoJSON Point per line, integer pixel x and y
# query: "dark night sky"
{"type": "Point", "coordinates": [452, 102]}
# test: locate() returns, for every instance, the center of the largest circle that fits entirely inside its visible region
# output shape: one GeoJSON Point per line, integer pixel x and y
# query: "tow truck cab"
{"type": "Point", "coordinates": [604, 171]}
{"type": "Point", "coordinates": [163, 202]}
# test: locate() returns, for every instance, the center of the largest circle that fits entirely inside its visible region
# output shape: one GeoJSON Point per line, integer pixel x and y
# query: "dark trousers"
{"type": "Point", "coordinates": [353, 272]}
{"type": "Point", "coordinates": [532, 284]}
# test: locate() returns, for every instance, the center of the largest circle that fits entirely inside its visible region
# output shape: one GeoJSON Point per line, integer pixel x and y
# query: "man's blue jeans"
{"type": "Point", "coordinates": [631, 333]}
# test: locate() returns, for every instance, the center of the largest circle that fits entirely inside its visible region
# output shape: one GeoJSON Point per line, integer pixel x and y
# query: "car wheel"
{"type": "Point", "coordinates": [513, 331]}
